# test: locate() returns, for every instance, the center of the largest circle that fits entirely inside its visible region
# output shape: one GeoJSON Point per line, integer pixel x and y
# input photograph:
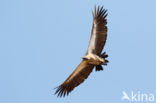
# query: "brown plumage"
{"type": "Point", "coordinates": [93, 57]}
{"type": "Point", "coordinates": [99, 30]}
{"type": "Point", "coordinates": [77, 77]}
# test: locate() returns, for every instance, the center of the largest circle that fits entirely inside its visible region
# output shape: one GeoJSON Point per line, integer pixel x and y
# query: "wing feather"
{"type": "Point", "coordinates": [99, 31]}
{"type": "Point", "coordinates": [77, 77]}
{"type": "Point", "coordinates": [96, 44]}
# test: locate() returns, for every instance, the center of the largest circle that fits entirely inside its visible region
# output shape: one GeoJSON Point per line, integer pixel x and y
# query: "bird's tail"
{"type": "Point", "coordinates": [99, 68]}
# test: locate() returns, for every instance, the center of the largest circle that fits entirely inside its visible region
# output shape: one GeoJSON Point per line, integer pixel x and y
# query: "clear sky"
{"type": "Point", "coordinates": [42, 42]}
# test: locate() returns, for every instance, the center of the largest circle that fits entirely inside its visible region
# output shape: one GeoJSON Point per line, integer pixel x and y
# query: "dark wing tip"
{"type": "Point", "coordinates": [99, 12]}
{"type": "Point", "coordinates": [76, 78]}
{"type": "Point", "coordinates": [62, 90]}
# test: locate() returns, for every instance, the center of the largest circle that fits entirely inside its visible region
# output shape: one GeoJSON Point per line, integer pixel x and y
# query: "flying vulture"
{"type": "Point", "coordinates": [93, 57]}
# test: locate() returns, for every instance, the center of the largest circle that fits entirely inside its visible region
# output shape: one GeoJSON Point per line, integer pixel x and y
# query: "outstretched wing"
{"type": "Point", "coordinates": [77, 77]}
{"type": "Point", "coordinates": [99, 31]}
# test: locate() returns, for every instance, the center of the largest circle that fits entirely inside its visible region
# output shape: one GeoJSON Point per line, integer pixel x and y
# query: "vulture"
{"type": "Point", "coordinates": [93, 57]}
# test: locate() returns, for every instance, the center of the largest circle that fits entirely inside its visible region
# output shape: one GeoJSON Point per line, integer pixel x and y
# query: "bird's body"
{"type": "Point", "coordinates": [93, 57]}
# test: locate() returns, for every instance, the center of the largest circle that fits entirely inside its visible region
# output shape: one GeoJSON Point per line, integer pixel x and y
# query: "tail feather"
{"type": "Point", "coordinates": [99, 68]}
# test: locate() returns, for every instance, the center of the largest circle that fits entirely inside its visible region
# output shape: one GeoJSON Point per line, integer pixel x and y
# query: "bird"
{"type": "Point", "coordinates": [94, 58]}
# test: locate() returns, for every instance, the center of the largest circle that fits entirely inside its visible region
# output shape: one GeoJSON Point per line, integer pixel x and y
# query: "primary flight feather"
{"type": "Point", "coordinates": [93, 57]}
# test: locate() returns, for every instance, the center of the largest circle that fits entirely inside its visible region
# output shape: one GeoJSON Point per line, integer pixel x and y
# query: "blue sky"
{"type": "Point", "coordinates": [42, 42]}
